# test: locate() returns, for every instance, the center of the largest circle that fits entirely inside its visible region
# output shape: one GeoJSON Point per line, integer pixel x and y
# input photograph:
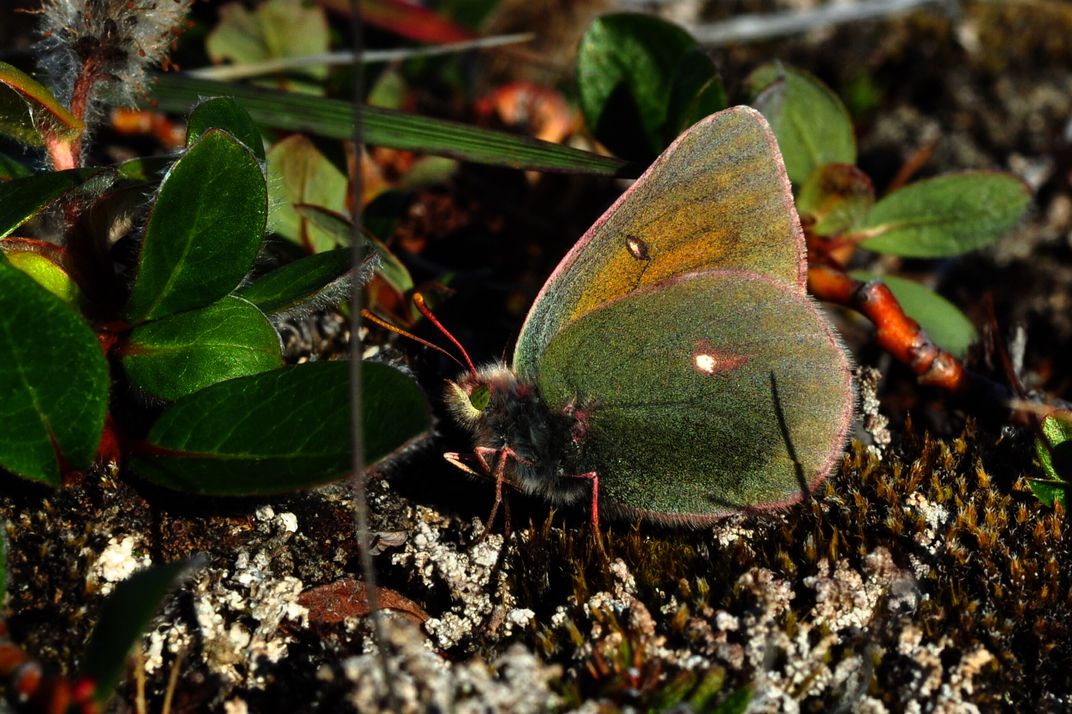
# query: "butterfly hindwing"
{"type": "Point", "coordinates": [704, 394]}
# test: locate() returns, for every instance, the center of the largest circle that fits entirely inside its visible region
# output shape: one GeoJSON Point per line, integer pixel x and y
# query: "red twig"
{"type": "Point", "coordinates": [896, 332]}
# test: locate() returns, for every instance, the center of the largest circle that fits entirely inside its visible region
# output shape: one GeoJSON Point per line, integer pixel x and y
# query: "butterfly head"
{"type": "Point", "coordinates": [474, 395]}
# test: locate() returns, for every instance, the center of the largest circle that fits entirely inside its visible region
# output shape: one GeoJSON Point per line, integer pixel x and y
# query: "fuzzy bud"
{"type": "Point", "coordinates": [99, 51]}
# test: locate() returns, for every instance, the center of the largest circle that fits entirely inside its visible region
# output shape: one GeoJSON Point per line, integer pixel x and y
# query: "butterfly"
{"type": "Point", "coordinates": [672, 368]}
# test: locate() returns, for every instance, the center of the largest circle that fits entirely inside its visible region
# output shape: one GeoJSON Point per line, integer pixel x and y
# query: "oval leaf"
{"type": "Point", "coordinates": [183, 353]}
{"type": "Point", "coordinates": [642, 81]}
{"type": "Point", "coordinates": [48, 274]}
{"type": "Point", "coordinates": [23, 198]}
{"type": "Point", "coordinates": [836, 197]}
{"type": "Point", "coordinates": [224, 113]}
{"type": "Point", "coordinates": [204, 230]}
{"type": "Point", "coordinates": [393, 271]}
{"type": "Point", "coordinates": [280, 430]}
{"type": "Point", "coordinates": [305, 280]}
{"type": "Point", "coordinates": [275, 29]}
{"type": "Point", "coordinates": [943, 321]}
{"type": "Point", "coordinates": [54, 381]}
{"type": "Point", "coordinates": [946, 215]}
{"type": "Point", "coordinates": [29, 113]}
{"type": "Point", "coordinates": [125, 615]}
{"type": "Point", "coordinates": [812, 125]}
{"type": "Point", "coordinates": [300, 174]}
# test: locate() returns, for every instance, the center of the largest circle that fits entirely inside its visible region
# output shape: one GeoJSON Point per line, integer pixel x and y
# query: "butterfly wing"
{"type": "Point", "coordinates": [702, 395]}
{"type": "Point", "coordinates": [717, 198]}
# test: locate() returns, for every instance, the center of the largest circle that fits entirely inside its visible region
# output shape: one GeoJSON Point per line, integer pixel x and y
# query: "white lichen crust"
{"type": "Point", "coordinates": [244, 613]}
{"type": "Point", "coordinates": [477, 604]}
{"type": "Point", "coordinates": [516, 681]}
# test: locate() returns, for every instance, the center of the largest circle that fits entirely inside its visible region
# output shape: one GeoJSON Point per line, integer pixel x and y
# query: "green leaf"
{"type": "Point", "coordinates": [29, 112]}
{"type": "Point", "coordinates": [642, 80]}
{"type": "Point", "coordinates": [146, 169]}
{"type": "Point", "coordinates": [48, 274]}
{"type": "Point", "coordinates": [836, 197]}
{"type": "Point", "coordinates": [23, 198]}
{"type": "Point", "coordinates": [183, 353]}
{"type": "Point", "coordinates": [224, 113]}
{"type": "Point", "coordinates": [204, 230]}
{"type": "Point", "coordinates": [11, 168]}
{"type": "Point", "coordinates": [697, 92]}
{"type": "Point", "coordinates": [380, 219]}
{"type": "Point", "coordinates": [1054, 450]}
{"type": "Point", "coordinates": [946, 215]}
{"type": "Point", "coordinates": [388, 90]}
{"type": "Point", "coordinates": [275, 29]}
{"type": "Point", "coordinates": [279, 431]}
{"type": "Point", "coordinates": [943, 321]}
{"type": "Point", "coordinates": [305, 280]}
{"type": "Point", "coordinates": [299, 174]}
{"type": "Point", "coordinates": [334, 119]}
{"type": "Point", "coordinates": [812, 125]}
{"type": "Point", "coordinates": [340, 227]}
{"type": "Point", "coordinates": [126, 613]}
{"type": "Point", "coordinates": [334, 224]}
{"type": "Point", "coordinates": [54, 381]}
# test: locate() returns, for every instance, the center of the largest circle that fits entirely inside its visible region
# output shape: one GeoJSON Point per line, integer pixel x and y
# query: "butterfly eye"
{"type": "Point", "coordinates": [480, 397]}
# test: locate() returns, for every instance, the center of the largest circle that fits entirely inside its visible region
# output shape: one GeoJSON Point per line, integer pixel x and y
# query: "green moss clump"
{"type": "Point", "coordinates": [931, 569]}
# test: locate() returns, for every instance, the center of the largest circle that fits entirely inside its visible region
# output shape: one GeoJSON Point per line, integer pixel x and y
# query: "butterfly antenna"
{"type": "Point", "coordinates": [372, 317]}
{"type": "Point", "coordinates": [418, 300]}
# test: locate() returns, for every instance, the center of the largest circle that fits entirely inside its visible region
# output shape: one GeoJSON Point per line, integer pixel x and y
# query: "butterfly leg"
{"type": "Point", "coordinates": [499, 474]}
{"type": "Point", "coordinates": [593, 476]}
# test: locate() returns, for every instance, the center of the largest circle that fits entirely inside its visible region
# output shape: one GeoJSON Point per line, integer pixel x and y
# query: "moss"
{"type": "Point", "coordinates": [940, 540]}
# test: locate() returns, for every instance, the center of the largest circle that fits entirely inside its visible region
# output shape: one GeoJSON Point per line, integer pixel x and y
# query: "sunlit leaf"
{"type": "Point", "coordinates": [1054, 450]}
{"type": "Point", "coordinates": [48, 274]}
{"type": "Point", "coordinates": [812, 125]}
{"type": "Point", "coordinates": [388, 267]}
{"type": "Point", "coordinates": [275, 29]}
{"type": "Point", "coordinates": [183, 353]}
{"type": "Point", "coordinates": [54, 380]}
{"type": "Point", "coordinates": [29, 112]}
{"type": "Point", "coordinates": [299, 174]}
{"type": "Point", "coordinates": [946, 215]}
{"type": "Point", "coordinates": [204, 230]}
{"type": "Point", "coordinates": [943, 321]}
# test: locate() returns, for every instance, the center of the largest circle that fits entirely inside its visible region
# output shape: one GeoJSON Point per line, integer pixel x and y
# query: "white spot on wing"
{"type": "Point", "coordinates": [709, 361]}
{"type": "Point", "coordinates": [706, 363]}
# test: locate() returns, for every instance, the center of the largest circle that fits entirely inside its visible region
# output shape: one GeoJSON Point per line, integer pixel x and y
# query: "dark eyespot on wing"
{"type": "Point", "coordinates": [638, 248]}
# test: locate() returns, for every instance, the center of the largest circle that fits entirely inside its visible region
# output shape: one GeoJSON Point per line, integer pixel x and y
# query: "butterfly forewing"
{"type": "Point", "coordinates": [718, 198]}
